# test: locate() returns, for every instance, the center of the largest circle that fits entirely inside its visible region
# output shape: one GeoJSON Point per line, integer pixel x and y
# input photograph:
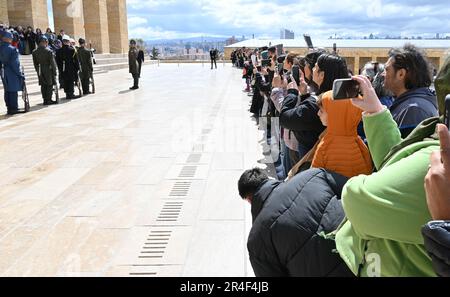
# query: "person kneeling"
{"type": "Point", "coordinates": [290, 221]}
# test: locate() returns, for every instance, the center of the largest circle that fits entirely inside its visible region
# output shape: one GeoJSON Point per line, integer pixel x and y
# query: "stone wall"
{"type": "Point", "coordinates": [28, 13]}
{"type": "Point", "coordinates": [4, 12]}
{"type": "Point", "coordinates": [358, 57]}
{"type": "Point", "coordinates": [68, 15]}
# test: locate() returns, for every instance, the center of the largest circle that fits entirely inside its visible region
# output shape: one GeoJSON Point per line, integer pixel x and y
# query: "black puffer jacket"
{"type": "Point", "coordinates": [437, 243]}
{"type": "Point", "coordinates": [287, 220]}
{"type": "Point", "coordinates": [302, 119]}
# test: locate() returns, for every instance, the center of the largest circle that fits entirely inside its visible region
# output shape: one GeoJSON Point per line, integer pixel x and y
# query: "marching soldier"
{"type": "Point", "coordinates": [67, 61]}
{"type": "Point", "coordinates": [133, 64]}
{"type": "Point", "coordinates": [45, 65]}
{"type": "Point", "coordinates": [213, 55]}
{"type": "Point", "coordinates": [12, 76]}
{"type": "Point", "coordinates": [87, 69]}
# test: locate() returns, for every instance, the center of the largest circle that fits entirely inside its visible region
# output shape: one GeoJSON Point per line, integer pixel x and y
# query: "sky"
{"type": "Point", "coordinates": [177, 19]}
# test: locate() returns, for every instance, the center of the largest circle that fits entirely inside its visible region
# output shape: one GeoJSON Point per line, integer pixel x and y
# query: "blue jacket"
{"type": "Point", "coordinates": [412, 108]}
{"type": "Point", "coordinates": [12, 76]}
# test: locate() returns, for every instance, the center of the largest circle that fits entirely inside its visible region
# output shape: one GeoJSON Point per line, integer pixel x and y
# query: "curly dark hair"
{"type": "Point", "coordinates": [416, 64]}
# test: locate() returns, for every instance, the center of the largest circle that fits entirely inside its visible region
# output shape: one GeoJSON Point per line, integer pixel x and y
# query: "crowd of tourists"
{"type": "Point", "coordinates": [361, 185]}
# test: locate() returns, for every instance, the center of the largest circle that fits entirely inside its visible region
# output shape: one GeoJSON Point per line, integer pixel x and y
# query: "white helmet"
{"type": "Point", "coordinates": [66, 37]}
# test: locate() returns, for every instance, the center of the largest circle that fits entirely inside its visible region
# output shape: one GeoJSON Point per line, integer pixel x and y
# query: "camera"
{"type": "Point", "coordinates": [265, 55]}
{"type": "Point", "coordinates": [281, 59]}
{"type": "Point", "coordinates": [266, 63]}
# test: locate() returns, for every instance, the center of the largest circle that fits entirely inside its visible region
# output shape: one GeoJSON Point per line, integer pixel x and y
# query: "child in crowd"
{"type": "Point", "coordinates": [341, 149]}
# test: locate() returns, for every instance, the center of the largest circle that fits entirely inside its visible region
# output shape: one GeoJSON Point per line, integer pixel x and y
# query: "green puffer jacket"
{"type": "Point", "coordinates": [386, 210]}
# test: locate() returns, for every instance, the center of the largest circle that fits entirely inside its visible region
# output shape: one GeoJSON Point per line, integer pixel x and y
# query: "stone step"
{"type": "Point", "coordinates": [32, 79]}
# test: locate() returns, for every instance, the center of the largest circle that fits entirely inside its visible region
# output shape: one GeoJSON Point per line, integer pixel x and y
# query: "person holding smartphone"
{"type": "Point", "coordinates": [386, 210]}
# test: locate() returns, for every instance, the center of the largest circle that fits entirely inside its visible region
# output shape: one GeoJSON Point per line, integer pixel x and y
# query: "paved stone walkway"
{"type": "Point", "coordinates": [127, 183]}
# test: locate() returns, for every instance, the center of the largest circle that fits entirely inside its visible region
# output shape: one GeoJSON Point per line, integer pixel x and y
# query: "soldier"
{"type": "Point", "coordinates": [12, 76]}
{"type": "Point", "coordinates": [67, 61]}
{"type": "Point", "coordinates": [85, 58]}
{"type": "Point", "coordinates": [213, 55]}
{"type": "Point", "coordinates": [133, 64]}
{"type": "Point", "coordinates": [140, 60]}
{"type": "Point", "coordinates": [45, 65]}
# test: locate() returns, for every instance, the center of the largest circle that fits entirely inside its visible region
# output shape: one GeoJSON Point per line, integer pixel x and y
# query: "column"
{"type": "Point", "coordinates": [4, 19]}
{"type": "Point", "coordinates": [118, 26]}
{"type": "Point", "coordinates": [356, 70]}
{"type": "Point", "coordinates": [68, 15]}
{"type": "Point", "coordinates": [96, 25]}
{"type": "Point", "coordinates": [28, 13]}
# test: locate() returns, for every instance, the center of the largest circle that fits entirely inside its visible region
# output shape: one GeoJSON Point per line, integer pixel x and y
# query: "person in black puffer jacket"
{"type": "Point", "coordinates": [290, 221]}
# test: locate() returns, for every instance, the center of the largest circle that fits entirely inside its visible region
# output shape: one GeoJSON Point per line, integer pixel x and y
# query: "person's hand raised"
{"type": "Point", "coordinates": [293, 84]}
{"type": "Point", "coordinates": [437, 181]}
{"type": "Point", "coordinates": [303, 87]}
{"type": "Point", "coordinates": [369, 101]}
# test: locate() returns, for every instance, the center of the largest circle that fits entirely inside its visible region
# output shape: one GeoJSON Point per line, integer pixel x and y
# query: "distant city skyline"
{"type": "Point", "coordinates": [176, 19]}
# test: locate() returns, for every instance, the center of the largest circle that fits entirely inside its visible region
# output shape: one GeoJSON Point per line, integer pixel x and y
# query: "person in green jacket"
{"type": "Point", "coordinates": [386, 210]}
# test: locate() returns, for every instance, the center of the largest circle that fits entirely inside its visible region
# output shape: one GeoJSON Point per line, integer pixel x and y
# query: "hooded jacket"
{"type": "Point", "coordinates": [341, 149]}
{"type": "Point", "coordinates": [413, 107]}
{"type": "Point", "coordinates": [386, 210]}
{"type": "Point", "coordinates": [288, 218]}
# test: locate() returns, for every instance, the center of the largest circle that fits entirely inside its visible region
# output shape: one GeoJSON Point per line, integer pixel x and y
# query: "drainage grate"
{"type": "Point", "coordinates": [188, 171]}
{"type": "Point", "coordinates": [170, 213]}
{"type": "Point", "coordinates": [180, 189]}
{"type": "Point", "coordinates": [155, 245]}
{"type": "Point", "coordinates": [142, 273]}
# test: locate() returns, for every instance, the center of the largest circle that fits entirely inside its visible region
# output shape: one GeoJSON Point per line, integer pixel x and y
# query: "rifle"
{"type": "Point", "coordinates": [25, 97]}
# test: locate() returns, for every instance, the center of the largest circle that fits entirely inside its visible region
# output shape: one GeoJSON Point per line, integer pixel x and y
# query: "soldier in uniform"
{"type": "Point", "coordinates": [11, 74]}
{"type": "Point", "coordinates": [45, 65]}
{"type": "Point", "coordinates": [85, 58]}
{"type": "Point", "coordinates": [133, 64]}
{"type": "Point", "coordinates": [67, 61]}
{"type": "Point", "coordinates": [213, 55]}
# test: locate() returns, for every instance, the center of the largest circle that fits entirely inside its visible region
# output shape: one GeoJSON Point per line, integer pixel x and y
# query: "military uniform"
{"type": "Point", "coordinates": [134, 66]}
{"type": "Point", "coordinates": [67, 61]}
{"type": "Point", "coordinates": [213, 55]}
{"type": "Point", "coordinates": [11, 74]}
{"type": "Point", "coordinates": [85, 58]}
{"type": "Point", "coordinates": [45, 65]}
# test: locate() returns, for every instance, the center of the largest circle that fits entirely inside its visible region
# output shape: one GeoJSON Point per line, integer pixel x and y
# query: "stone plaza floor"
{"type": "Point", "coordinates": [125, 183]}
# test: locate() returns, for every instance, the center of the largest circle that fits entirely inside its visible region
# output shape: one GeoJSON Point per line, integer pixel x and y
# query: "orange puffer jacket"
{"type": "Point", "coordinates": [341, 150]}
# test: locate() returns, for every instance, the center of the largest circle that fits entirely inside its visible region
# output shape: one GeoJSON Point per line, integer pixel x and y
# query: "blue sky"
{"type": "Point", "coordinates": [175, 19]}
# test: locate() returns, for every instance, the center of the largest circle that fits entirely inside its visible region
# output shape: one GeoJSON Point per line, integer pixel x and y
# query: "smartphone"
{"type": "Point", "coordinates": [266, 63]}
{"type": "Point", "coordinates": [447, 112]}
{"type": "Point", "coordinates": [345, 89]}
{"type": "Point", "coordinates": [296, 74]}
